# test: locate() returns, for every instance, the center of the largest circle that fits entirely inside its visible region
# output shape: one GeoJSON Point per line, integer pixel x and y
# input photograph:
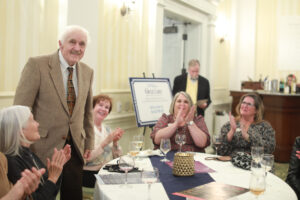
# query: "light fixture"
{"type": "Point", "coordinates": [222, 28]}
{"type": "Point", "coordinates": [127, 7]}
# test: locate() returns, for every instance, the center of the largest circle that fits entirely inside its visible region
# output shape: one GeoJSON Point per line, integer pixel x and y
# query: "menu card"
{"type": "Point", "coordinates": [212, 191]}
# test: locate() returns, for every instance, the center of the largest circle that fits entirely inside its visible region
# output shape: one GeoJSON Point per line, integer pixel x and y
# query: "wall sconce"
{"type": "Point", "coordinates": [127, 7]}
{"type": "Point", "coordinates": [222, 28]}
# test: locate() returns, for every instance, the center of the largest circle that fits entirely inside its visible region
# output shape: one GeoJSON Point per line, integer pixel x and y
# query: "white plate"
{"type": "Point", "coordinates": [149, 152]}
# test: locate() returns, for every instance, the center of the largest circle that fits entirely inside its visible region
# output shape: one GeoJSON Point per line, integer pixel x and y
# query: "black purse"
{"type": "Point", "coordinates": [242, 160]}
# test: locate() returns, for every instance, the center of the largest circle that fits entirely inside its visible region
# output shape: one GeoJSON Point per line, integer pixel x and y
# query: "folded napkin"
{"type": "Point", "coordinates": [115, 168]}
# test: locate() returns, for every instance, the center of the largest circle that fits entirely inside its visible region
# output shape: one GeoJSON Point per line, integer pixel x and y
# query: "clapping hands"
{"type": "Point", "coordinates": [182, 119]}
{"type": "Point", "coordinates": [55, 165]}
{"type": "Point", "coordinates": [26, 185]}
{"type": "Point", "coordinates": [232, 122]}
{"type": "Point", "coordinates": [117, 134]}
{"type": "Point", "coordinates": [30, 179]}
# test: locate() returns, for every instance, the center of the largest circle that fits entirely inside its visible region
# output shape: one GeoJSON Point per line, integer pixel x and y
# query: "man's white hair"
{"type": "Point", "coordinates": [73, 28]}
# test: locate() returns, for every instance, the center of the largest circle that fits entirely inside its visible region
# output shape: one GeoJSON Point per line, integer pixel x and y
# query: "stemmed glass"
{"type": "Point", "coordinates": [267, 162]}
{"type": "Point", "coordinates": [133, 150]}
{"type": "Point", "coordinates": [257, 183]}
{"type": "Point", "coordinates": [217, 141]}
{"type": "Point", "coordinates": [126, 164]}
{"type": "Point", "coordinates": [138, 140]}
{"type": "Point", "coordinates": [180, 139]}
{"type": "Point", "coordinates": [257, 153]}
{"type": "Point", "coordinates": [165, 147]}
{"type": "Point", "coordinates": [150, 177]}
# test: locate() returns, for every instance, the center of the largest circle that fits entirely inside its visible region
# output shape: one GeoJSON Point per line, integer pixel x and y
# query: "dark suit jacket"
{"type": "Point", "coordinates": [41, 88]}
{"type": "Point", "coordinates": [203, 89]}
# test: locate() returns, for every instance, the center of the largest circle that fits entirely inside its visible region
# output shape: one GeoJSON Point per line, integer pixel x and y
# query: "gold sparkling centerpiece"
{"type": "Point", "coordinates": [183, 164]}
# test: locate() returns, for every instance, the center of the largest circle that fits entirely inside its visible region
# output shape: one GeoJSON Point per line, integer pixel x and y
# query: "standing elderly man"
{"type": "Point", "coordinates": [195, 85]}
{"type": "Point", "coordinates": [58, 88]}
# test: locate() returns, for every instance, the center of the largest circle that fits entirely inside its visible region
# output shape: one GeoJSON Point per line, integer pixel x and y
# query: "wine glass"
{"type": "Point", "coordinates": [267, 162]}
{"type": "Point", "coordinates": [133, 150]}
{"type": "Point", "coordinates": [165, 147]}
{"type": "Point", "coordinates": [180, 139]}
{"type": "Point", "coordinates": [257, 183]}
{"type": "Point", "coordinates": [217, 141]}
{"type": "Point", "coordinates": [126, 164]}
{"type": "Point", "coordinates": [257, 153]}
{"type": "Point", "coordinates": [150, 177]}
{"type": "Point", "coordinates": [138, 141]}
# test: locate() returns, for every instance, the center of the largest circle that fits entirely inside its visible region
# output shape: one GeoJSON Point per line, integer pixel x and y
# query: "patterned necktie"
{"type": "Point", "coordinates": [71, 96]}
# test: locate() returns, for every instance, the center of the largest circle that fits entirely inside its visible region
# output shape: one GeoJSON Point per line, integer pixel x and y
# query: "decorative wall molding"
{"type": "Point", "coordinates": [6, 98]}
{"type": "Point", "coordinates": [7, 94]}
{"type": "Point", "coordinates": [115, 91]}
{"type": "Point", "coordinates": [124, 120]}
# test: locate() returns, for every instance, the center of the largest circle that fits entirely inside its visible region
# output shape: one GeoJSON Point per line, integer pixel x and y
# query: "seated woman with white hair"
{"type": "Point", "coordinates": [18, 130]}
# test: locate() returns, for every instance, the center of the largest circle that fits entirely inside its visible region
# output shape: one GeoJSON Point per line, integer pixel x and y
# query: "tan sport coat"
{"type": "Point", "coordinates": [41, 88]}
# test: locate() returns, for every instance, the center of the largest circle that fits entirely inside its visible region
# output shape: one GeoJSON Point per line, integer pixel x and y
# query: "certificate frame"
{"type": "Point", "coordinates": [151, 98]}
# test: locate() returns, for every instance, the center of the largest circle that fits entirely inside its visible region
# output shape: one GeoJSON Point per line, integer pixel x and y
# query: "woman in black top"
{"type": "Point", "coordinates": [18, 130]}
{"type": "Point", "coordinates": [293, 177]}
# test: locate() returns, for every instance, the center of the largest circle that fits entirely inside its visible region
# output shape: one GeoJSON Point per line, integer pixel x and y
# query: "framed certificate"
{"type": "Point", "coordinates": [151, 98]}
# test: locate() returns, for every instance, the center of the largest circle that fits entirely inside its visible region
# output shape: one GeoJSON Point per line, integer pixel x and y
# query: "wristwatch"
{"type": "Point", "coordinates": [190, 123]}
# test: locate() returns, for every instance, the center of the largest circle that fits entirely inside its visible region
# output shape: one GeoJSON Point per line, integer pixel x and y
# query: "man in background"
{"type": "Point", "coordinates": [58, 88]}
{"type": "Point", "coordinates": [195, 85]}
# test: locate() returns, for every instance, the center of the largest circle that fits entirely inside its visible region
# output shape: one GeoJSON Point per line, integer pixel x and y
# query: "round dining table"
{"type": "Point", "coordinates": [221, 172]}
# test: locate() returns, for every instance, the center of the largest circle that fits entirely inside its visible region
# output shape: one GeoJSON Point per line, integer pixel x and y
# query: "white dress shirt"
{"type": "Point", "coordinates": [65, 73]}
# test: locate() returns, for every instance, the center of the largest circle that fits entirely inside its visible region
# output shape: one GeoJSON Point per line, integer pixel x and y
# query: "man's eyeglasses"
{"type": "Point", "coordinates": [248, 104]}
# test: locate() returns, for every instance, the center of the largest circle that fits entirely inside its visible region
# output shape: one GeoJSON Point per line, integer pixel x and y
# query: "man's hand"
{"type": "Point", "coordinates": [67, 152]}
{"type": "Point", "coordinates": [203, 106]}
{"type": "Point", "coordinates": [87, 154]}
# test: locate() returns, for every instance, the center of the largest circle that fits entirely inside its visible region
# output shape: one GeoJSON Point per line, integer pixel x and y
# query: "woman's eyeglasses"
{"type": "Point", "coordinates": [247, 104]}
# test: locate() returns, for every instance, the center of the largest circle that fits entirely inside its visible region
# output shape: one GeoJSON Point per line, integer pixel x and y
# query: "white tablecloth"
{"type": "Point", "coordinates": [225, 173]}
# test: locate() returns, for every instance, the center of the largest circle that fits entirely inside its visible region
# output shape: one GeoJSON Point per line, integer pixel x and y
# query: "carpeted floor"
{"type": "Point", "coordinates": [281, 170]}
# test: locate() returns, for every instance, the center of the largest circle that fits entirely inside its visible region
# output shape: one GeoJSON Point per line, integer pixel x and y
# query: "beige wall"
{"type": "Point", "coordinates": [123, 45]}
{"type": "Point", "coordinates": [27, 28]}
{"type": "Point", "coordinates": [267, 13]}
{"type": "Point", "coordinates": [222, 54]}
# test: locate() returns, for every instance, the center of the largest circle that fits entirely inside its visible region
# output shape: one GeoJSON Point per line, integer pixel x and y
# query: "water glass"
{"type": "Point", "coordinates": [257, 153]}
{"type": "Point", "coordinates": [267, 162]}
{"type": "Point", "coordinates": [257, 184]}
{"type": "Point", "coordinates": [150, 177]}
{"type": "Point", "coordinates": [180, 139]}
{"type": "Point", "coordinates": [165, 147]}
{"type": "Point", "coordinates": [126, 163]}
